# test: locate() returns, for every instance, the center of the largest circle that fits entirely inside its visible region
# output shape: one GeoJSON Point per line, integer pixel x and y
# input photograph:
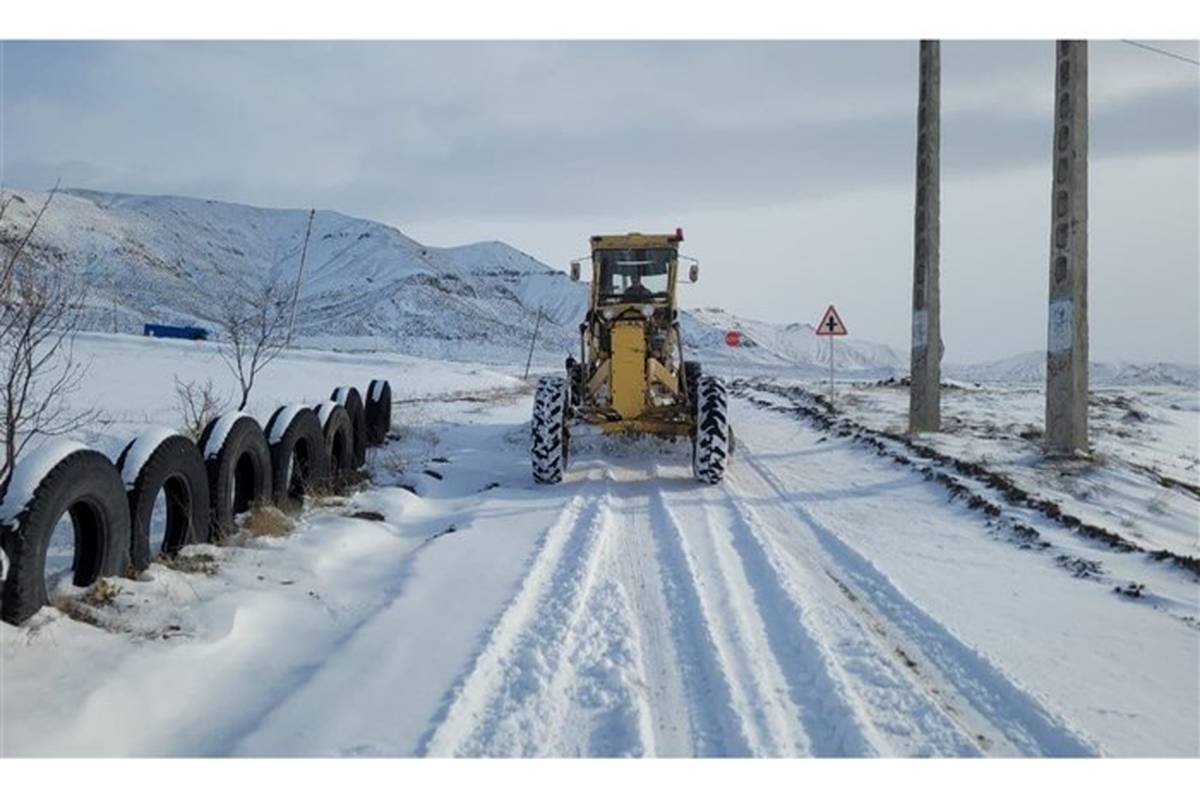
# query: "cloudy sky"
{"type": "Point", "coordinates": [788, 164]}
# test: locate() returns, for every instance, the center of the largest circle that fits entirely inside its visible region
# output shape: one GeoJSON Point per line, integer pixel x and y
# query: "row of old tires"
{"type": "Point", "coordinates": [235, 464]}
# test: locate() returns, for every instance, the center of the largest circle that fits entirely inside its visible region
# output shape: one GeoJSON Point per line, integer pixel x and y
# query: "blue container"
{"type": "Point", "coordinates": [175, 331]}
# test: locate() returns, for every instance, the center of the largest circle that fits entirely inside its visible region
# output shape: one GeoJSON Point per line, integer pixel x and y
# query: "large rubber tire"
{"type": "Point", "coordinates": [691, 378]}
{"type": "Point", "coordinates": [349, 398]}
{"type": "Point", "coordinates": [378, 411]}
{"type": "Point", "coordinates": [299, 462]}
{"type": "Point", "coordinates": [711, 442]}
{"type": "Point", "coordinates": [548, 431]}
{"type": "Point", "coordinates": [239, 473]}
{"type": "Point", "coordinates": [339, 440]}
{"type": "Point", "coordinates": [176, 469]}
{"type": "Point", "coordinates": [86, 485]}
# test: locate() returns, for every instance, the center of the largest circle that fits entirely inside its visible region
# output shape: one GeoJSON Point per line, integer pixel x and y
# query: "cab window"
{"type": "Point", "coordinates": [633, 274]}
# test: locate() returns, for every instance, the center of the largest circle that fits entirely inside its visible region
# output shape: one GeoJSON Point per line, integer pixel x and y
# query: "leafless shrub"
{"type": "Point", "coordinates": [92, 606]}
{"type": "Point", "coordinates": [41, 309]}
{"type": "Point", "coordinates": [266, 520]}
{"type": "Point", "coordinates": [334, 491]}
{"type": "Point", "coordinates": [254, 323]}
{"type": "Point", "coordinates": [348, 482]}
{"type": "Point", "coordinates": [191, 563]}
{"type": "Point", "coordinates": [198, 404]}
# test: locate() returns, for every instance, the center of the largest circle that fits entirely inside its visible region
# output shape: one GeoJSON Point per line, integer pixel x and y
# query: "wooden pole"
{"type": "Point", "coordinates": [299, 278]}
{"type": "Point", "coordinates": [532, 342]}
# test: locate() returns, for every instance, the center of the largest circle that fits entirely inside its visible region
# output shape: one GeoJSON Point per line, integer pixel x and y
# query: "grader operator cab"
{"type": "Point", "coordinates": [631, 376]}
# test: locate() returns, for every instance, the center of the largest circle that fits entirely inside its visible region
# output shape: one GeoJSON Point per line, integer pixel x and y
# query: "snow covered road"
{"type": "Point", "coordinates": [822, 601]}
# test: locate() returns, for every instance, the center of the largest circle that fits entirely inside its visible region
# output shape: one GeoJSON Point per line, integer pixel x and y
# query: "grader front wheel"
{"type": "Point", "coordinates": [548, 430]}
{"type": "Point", "coordinates": [713, 439]}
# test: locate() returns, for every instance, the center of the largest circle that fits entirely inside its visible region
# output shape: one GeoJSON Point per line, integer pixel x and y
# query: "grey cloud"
{"type": "Point", "coordinates": [423, 130]}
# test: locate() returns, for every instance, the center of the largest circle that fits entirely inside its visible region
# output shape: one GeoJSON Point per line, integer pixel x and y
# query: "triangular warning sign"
{"type": "Point", "coordinates": [831, 324]}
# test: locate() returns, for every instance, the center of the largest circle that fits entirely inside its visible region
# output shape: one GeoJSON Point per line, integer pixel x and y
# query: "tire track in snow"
{"type": "Point", "coordinates": [552, 678]}
{"type": "Point", "coordinates": [718, 708]}
{"type": "Point", "coordinates": [678, 719]}
{"type": "Point", "coordinates": [768, 699]}
{"type": "Point", "coordinates": [859, 682]}
{"type": "Point", "coordinates": [811, 678]}
{"type": "Point", "coordinates": [1028, 726]}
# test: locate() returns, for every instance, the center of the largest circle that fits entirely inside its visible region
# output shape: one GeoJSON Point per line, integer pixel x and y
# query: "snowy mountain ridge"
{"type": "Point", "coordinates": [368, 286]}
{"type": "Point", "coordinates": [172, 259]}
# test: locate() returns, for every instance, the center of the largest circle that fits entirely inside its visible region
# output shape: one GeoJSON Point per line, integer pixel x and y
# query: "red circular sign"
{"type": "Point", "coordinates": [733, 338]}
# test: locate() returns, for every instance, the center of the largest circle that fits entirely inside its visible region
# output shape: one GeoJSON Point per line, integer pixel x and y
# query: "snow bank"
{"type": "Point", "coordinates": [220, 430]}
{"type": "Point", "coordinates": [29, 472]}
{"type": "Point", "coordinates": [140, 450]}
{"type": "Point", "coordinates": [281, 422]}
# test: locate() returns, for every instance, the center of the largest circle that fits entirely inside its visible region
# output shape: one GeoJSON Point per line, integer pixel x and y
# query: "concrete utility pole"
{"type": "Point", "coordinates": [925, 393]}
{"type": "Point", "coordinates": [1067, 338]}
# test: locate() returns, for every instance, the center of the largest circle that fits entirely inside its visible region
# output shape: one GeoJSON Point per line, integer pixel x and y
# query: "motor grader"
{"type": "Point", "coordinates": [631, 377]}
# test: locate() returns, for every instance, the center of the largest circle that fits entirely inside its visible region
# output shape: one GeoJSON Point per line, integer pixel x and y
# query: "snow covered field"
{"type": "Point", "coordinates": [822, 601]}
{"type": "Point", "coordinates": [1144, 482]}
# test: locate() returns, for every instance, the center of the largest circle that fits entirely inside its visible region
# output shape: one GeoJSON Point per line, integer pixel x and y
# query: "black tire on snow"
{"type": "Point", "coordinates": [86, 485]}
{"type": "Point", "coordinates": [339, 441]}
{"type": "Point", "coordinates": [299, 462]}
{"type": "Point", "coordinates": [177, 470]}
{"type": "Point", "coordinates": [711, 443]}
{"type": "Point", "coordinates": [548, 430]}
{"type": "Point", "coordinates": [691, 378]}
{"type": "Point", "coordinates": [378, 411]}
{"type": "Point", "coordinates": [351, 400]}
{"type": "Point", "coordinates": [239, 473]}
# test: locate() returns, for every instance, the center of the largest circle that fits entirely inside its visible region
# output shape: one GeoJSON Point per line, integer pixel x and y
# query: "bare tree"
{"type": "Point", "coordinates": [198, 403]}
{"type": "Point", "coordinates": [255, 326]}
{"type": "Point", "coordinates": [41, 309]}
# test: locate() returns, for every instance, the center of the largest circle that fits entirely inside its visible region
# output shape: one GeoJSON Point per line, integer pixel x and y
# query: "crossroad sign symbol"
{"type": "Point", "coordinates": [831, 324]}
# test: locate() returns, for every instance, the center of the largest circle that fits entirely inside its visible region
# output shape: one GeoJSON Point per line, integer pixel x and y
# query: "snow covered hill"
{"type": "Point", "coordinates": [172, 259]}
{"type": "Point", "coordinates": [366, 285]}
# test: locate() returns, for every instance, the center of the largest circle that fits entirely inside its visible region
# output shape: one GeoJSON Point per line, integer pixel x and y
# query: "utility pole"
{"type": "Point", "coordinates": [299, 278]}
{"type": "Point", "coordinates": [1067, 334]}
{"type": "Point", "coordinates": [925, 390]}
{"type": "Point", "coordinates": [533, 341]}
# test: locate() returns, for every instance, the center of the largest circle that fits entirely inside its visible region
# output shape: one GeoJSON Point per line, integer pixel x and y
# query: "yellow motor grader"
{"type": "Point", "coordinates": [631, 376]}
